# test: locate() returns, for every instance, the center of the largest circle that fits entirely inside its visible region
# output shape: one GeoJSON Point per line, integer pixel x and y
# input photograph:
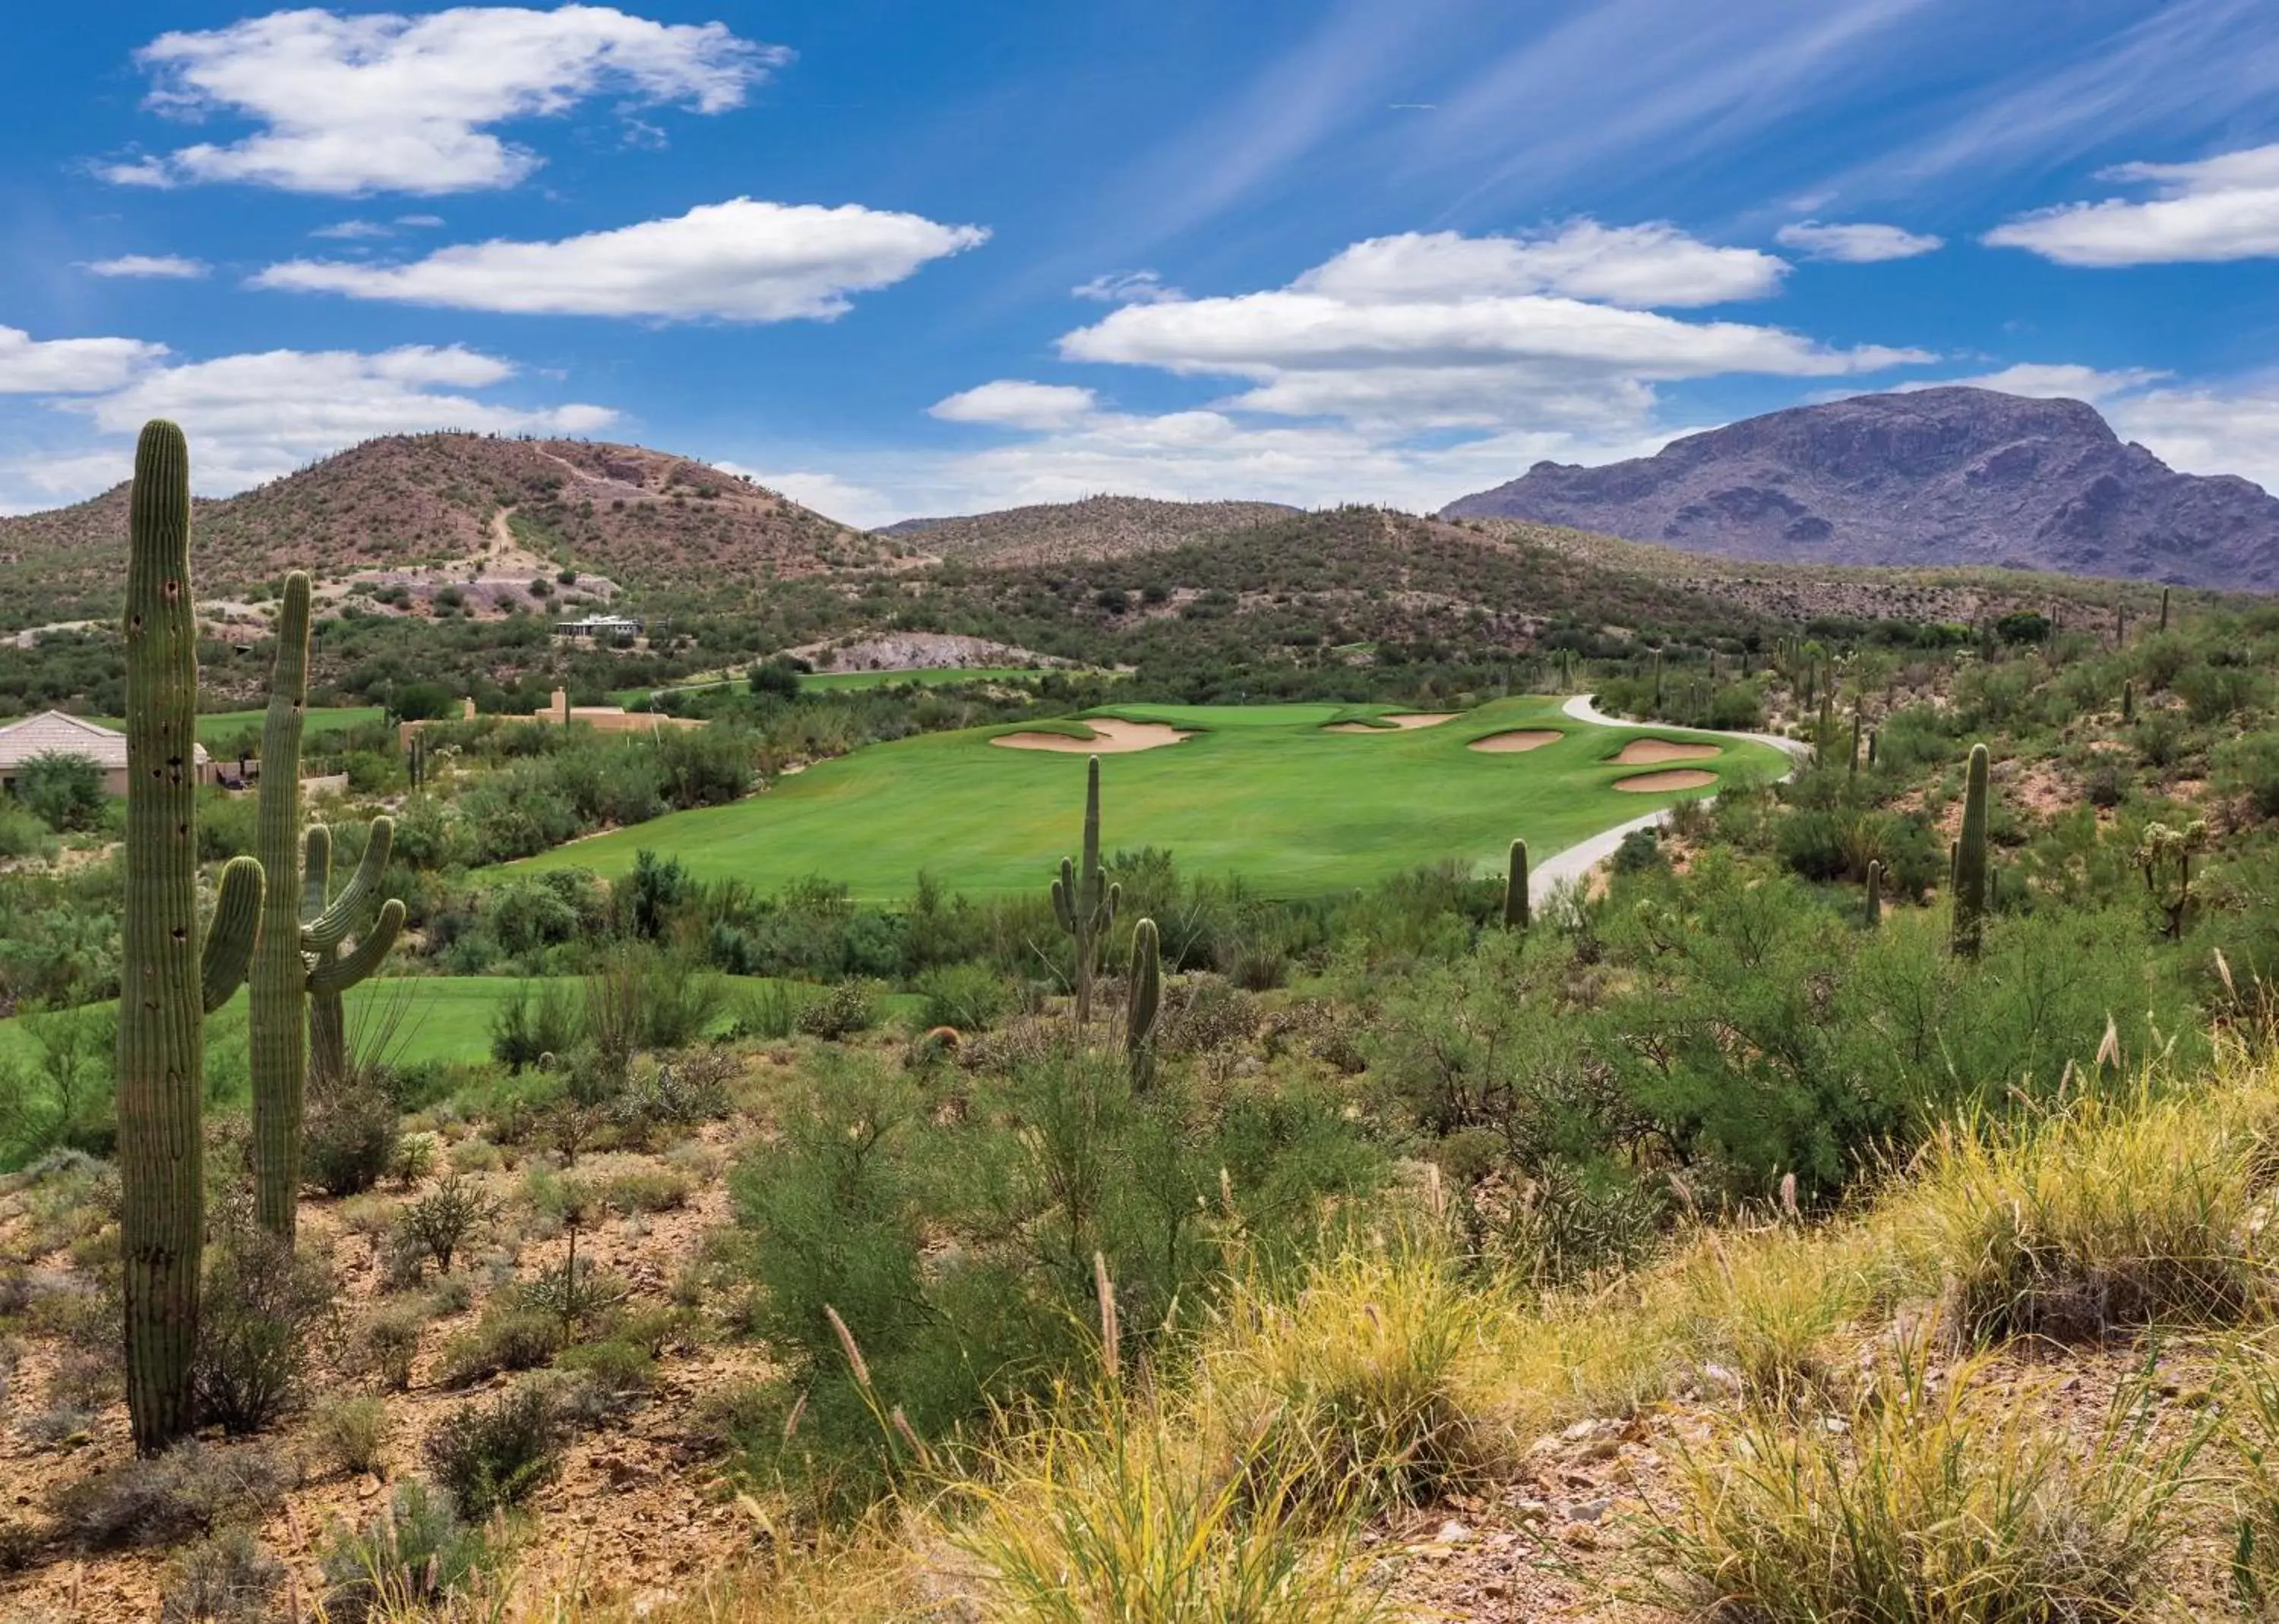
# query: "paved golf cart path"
{"type": "Point", "coordinates": [1585, 855]}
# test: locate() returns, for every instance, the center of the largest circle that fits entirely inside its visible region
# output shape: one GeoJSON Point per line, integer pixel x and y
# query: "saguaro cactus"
{"type": "Point", "coordinates": [2129, 699]}
{"type": "Point", "coordinates": [1146, 1003]}
{"type": "Point", "coordinates": [1874, 894]}
{"type": "Point", "coordinates": [1083, 902]}
{"type": "Point", "coordinates": [276, 1030]}
{"type": "Point", "coordinates": [332, 971]}
{"type": "Point", "coordinates": [1854, 768]}
{"type": "Point", "coordinates": [1970, 861]}
{"type": "Point", "coordinates": [1516, 913]}
{"type": "Point", "coordinates": [2164, 609]}
{"type": "Point", "coordinates": [162, 990]}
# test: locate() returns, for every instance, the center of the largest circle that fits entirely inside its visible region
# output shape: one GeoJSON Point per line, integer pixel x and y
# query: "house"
{"type": "Point", "coordinates": [598, 628]}
{"type": "Point", "coordinates": [53, 734]}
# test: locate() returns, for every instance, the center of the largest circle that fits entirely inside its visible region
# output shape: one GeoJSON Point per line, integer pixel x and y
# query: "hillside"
{"type": "Point", "coordinates": [645, 518]}
{"type": "Point", "coordinates": [1097, 527]}
{"type": "Point", "coordinates": [1948, 476]}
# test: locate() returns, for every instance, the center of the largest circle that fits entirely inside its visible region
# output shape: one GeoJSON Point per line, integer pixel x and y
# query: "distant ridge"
{"type": "Point", "coordinates": [1097, 527]}
{"type": "Point", "coordinates": [1943, 476]}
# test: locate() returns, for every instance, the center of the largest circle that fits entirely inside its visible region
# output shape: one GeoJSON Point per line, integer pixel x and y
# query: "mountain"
{"type": "Point", "coordinates": [448, 502]}
{"type": "Point", "coordinates": [1946, 476]}
{"type": "Point", "coordinates": [1097, 527]}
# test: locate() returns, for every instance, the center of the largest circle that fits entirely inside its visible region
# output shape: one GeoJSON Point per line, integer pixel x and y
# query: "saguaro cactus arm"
{"type": "Point", "coordinates": [324, 931]}
{"type": "Point", "coordinates": [161, 1005]}
{"type": "Point", "coordinates": [335, 977]}
{"type": "Point", "coordinates": [230, 933]}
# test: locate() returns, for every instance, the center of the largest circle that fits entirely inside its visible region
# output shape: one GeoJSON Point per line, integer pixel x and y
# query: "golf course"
{"type": "Point", "coordinates": [1299, 799]}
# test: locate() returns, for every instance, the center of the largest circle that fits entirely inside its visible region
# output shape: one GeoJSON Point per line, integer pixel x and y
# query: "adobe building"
{"type": "Point", "coordinates": [52, 732]}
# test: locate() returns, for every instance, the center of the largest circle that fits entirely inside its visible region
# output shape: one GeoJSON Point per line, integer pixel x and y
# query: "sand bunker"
{"type": "Point", "coordinates": [1647, 752]}
{"type": "Point", "coordinates": [1402, 723]}
{"type": "Point", "coordinates": [1677, 779]}
{"type": "Point", "coordinates": [1518, 739]}
{"type": "Point", "coordinates": [1111, 737]}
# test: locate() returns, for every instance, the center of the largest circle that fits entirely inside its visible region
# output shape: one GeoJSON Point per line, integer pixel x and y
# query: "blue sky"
{"type": "Point", "coordinates": [905, 258]}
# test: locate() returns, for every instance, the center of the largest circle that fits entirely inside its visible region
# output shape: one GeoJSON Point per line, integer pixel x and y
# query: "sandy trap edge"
{"type": "Point", "coordinates": [1111, 737]}
{"type": "Point", "coordinates": [1677, 778]}
{"type": "Point", "coordinates": [1516, 740]}
{"type": "Point", "coordinates": [1653, 752]}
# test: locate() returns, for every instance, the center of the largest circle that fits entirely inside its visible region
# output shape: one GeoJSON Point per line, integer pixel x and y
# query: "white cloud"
{"type": "Point", "coordinates": [251, 417]}
{"type": "Point", "coordinates": [844, 500]}
{"type": "Point", "coordinates": [740, 261]}
{"type": "Point", "coordinates": [2219, 208]}
{"type": "Point", "coordinates": [1639, 266]}
{"type": "Point", "coordinates": [1126, 287]}
{"type": "Point", "coordinates": [162, 265]}
{"type": "Point", "coordinates": [2057, 381]}
{"type": "Point", "coordinates": [1413, 333]}
{"type": "Point", "coordinates": [1858, 242]}
{"type": "Point", "coordinates": [354, 231]}
{"type": "Point", "coordinates": [419, 221]}
{"type": "Point", "coordinates": [2207, 430]}
{"type": "Point", "coordinates": [1014, 403]}
{"type": "Point", "coordinates": [70, 366]}
{"type": "Point", "coordinates": [390, 103]}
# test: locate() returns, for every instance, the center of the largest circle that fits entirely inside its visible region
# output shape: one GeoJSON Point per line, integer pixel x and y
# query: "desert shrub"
{"type": "Point", "coordinates": [1936, 1500]}
{"type": "Point", "coordinates": [228, 1579]}
{"type": "Point", "coordinates": [23, 832]}
{"type": "Point", "coordinates": [841, 1013]}
{"type": "Point", "coordinates": [439, 1223]}
{"type": "Point", "coordinates": [350, 1135]}
{"type": "Point", "coordinates": [692, 1089]}
{"type": "Point", "coordinates": [519, 1338]}
{"type": "Point", "coordinates": [969, 997]}
{"type": "Point", "coordinates": [681, 999]}
{"type": "Point", "coordinates": [619, 1369]}
{"type": "Point", "coordinates": [489, 1457]}
{"type": "Point", "coordinates": [571, 1294]}
{"type": "Point", "coordinates": [2249, 768]}
{"type": "Point", "coordinates": [64, 790]}
{"type": "Point", "coordinates": [352, 1434]}
{"type": "Point", "coordinates": [191, 1490]}
{"type": "Point", "coordinates": [529, 1025]}
{"type": "Point", "coordinates": [413, 1161]}
{"type": "Point", "coordinates": [767, 1011]}
{"type": "Point", "coordinates": [408, 1561]}
{"type": "Point", "coordinates": [647, 1190]}
{"type": "Point", "coordinates": [265, 1318]}
{"type": "Point", "coordinates": [386, 1343]}
{"type": "Point", "coordinates": [1208, 1015]}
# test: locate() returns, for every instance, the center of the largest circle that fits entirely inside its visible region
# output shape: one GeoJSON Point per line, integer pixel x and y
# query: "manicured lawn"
{"type": "Point", "coordinates": [1266, 792]}
{"type": "Point", "coordinates": [214, 724]}
{"type": "Point", "coordinates": [444, 1017]}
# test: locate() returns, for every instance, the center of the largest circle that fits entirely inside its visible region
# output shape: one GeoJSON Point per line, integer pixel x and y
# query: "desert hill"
{"type": "Point", "coordinates": [1946, 476]}
{"type": "Point", "coordinates": [644, 517]}
{"type": "Point", "coordinates": [1097, 527]}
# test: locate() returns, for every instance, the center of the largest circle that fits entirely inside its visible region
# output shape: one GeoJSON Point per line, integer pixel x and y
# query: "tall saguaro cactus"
{"type": "Point", "coordinates": [1145, 996]}
{"type": "Point", "coordinates": [1970, 861]}
{"type": "Point", "coordinates": [299, 970]}
{"type": "Point", "coordinates": [277, 1038]}
{"type": "Point", "coordinates": [1517, 913]}
{"type": "Point", "coordinates": [1083, 902]}
{"type": "Point", "coordinates": [1875, 913]}
{"type": "Point", "coordinates": [162, 998]}
{"type": "Point", "coordinates": [324, 930]}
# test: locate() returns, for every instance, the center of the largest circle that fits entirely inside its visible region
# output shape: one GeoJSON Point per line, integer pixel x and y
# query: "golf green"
{"type": "Point", "coordinates": [1268, 791]}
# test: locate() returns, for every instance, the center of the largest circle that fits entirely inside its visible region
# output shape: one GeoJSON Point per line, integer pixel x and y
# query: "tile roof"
{"type": "Point", "coordinates": [53, 730]}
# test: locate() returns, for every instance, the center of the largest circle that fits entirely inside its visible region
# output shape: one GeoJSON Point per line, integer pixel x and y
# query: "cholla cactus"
{"type": "Point", "coordinates": [1084, 901]}
{"type": "Point", "coordinates": [2164, 856]}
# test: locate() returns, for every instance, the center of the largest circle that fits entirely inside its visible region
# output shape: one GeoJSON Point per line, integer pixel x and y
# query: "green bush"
{"type": "Point", "coordinates": [352, 1135]}
{"type": "Point", "coordinates": [504, 1339]}
{"type": "Point", "coordinates": [840, 1013]}
{"type": "Point", "coordinates": [407, 1562]}
{"type": "Point", "coordinates": [63, 790]}
{"type": "Point", "coordinates": [492, 1457]}
{"type": "Point", "coordinates": [265, 1319]}
{"type": "Point", "coordinates": [970, 997]}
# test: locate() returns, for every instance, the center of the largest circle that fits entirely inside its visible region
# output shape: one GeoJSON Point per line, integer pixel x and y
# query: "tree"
{"type": "Point", "coordinates": [65, 790]}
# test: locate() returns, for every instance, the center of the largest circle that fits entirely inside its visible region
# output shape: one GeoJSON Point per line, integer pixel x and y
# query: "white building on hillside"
{"type": "Point", "coordinates": [53, 734]}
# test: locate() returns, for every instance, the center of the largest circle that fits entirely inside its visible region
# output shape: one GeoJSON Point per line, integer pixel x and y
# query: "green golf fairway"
{"type": "Point", "coordinates": [1266, 792]}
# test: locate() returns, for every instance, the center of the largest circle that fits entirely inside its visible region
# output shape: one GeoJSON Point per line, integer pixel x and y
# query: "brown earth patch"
{"type": "Point", "coordinates": [1518, 739]}
{"type": "Point", "coordinates": [1406, 722]}
{"type": "Point", "coordinates": [1109, 737]}
{"type": "Point", "coordinates": [1676, 779]}
{"type": "Point", "coordinates": [1648, 751]}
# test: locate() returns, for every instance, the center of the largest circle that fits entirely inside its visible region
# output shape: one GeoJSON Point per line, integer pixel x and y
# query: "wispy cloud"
{"type": "Point", "coordinates": [1856, 244]}
{"type": "Point", "coordinates": [2220, 208]}
{"type": "Point", "coordinates": [160, 266]}
{"type": "Point", "coordinates": [1126, 287]}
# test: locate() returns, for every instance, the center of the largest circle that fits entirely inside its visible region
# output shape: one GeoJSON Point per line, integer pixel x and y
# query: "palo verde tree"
{"type": "Point", "coordinates": [165, 985]}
